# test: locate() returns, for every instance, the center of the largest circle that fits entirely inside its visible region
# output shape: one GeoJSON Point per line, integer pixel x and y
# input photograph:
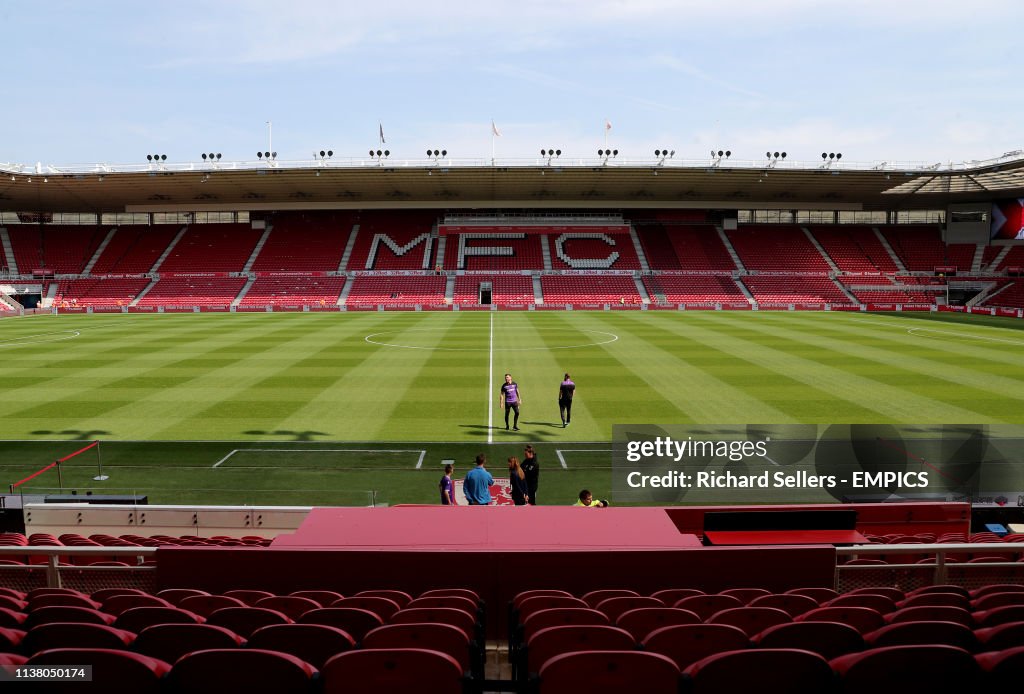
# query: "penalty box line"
{"type": "Point", "coordinates": [419, 461]}
{"type": "Point", "coordinates": [561, 458]}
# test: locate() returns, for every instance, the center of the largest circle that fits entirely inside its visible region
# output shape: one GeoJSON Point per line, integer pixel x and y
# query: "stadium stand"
{"type": "Point", "coordinates": [396, 291]}
{"type": "Point", "coordinates": [494, 251]}
{"type": "Point", "coordinates": [62, 250]}
{"type": "Point", "coordinates": [854, 248]}
{"type": "Point", "coordinates": [304, 242]}
{"type": "Point", "coordinates": [293, 290]}
{"type": "Point", "coordinates": [506, 289]}
{"type": "Point", "coordinates": [780, 248]}
{"type": "Point", "coordinates": [135, 249]}
{"type": "Point", "coordinates": [212, 248]}
{"type": "Point", "coordinates": [393, 241]}
{"type": "Point", "coordinates": [191, 291]}
{"type": "Point", "coordinates": [99, 292]}
{"type": "Point", "coordinates": [580, 289]}
{"type": "Point", "coordinates": [694, 289]}
{"type": "Point", "coordinates": [794, 290]}
{"type": "Point", "coordinates": [920, 249]}
{"type": "Point", "coordinates": [588, 251]}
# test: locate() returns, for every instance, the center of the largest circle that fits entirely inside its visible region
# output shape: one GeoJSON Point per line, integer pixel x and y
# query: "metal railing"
{"type": "Point", "coordinates": [55, 570]}
{"type": "Point", "coordinates": [940, 569]}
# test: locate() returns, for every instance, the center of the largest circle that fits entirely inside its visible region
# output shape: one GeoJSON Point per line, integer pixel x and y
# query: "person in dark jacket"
{"type": "Point", "coordinates": [517, 480]}
{"type": "Point", "coordinates": [531, 468]}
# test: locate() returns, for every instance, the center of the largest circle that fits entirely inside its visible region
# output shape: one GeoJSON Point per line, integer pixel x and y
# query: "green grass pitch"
{"type": "Point", "coordinates": [171, 395]}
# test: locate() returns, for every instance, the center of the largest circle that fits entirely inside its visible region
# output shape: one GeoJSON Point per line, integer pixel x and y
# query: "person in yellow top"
{"type": "Point", "coordinates": [587, 500]}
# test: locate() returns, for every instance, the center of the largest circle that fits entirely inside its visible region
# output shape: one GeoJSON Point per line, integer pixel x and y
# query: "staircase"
{"type": "Point", "coordinates": [136, 300]}
{"type": "Point", "coordinates": [824, 254]}
{"type": "Point", "coordinates": [538, 292]}
{"type": "Point", "coordinates": [545, 249]}
{"type": "Point", "coordinates": [449, 289]}
{"type": "Point", "coordinates": [743, 288]}
{"type": "Point", "coordinates": [657, 292]}
{"type": "Point", "coordinates": [163, 256]}
{"type": "Point", "coordinates": [442, 243]}
{"type": "Point", "coordinates": [431, 242]}
{"type": "Point", "coordinates": [255, 253]}
{"type": "Point", "coordinates": [979, 253]}
{"type": "Point", "coordinates": [732, 251]}
{"type": "Point", "coordinates": [888, 249]}
{"type": "Point", "coordinates": [248, 285]}
{"type": "Point", "coordinates": [10, 302]}
{"type": "Point", "coordinates": [348, 249]}
{"type": "Point", "coordinates": [12, 264]}
{"type": "Point", "coordinates": [995, 261]}
{"type": "Point", "coordinates": [99, 252]}
{"type": "Point", "coordinates": [641, 289]}
{"type": "Point", "coordinates": [644, 265]}
{"type": "Point", "coordinates": [849, 295]}
{"type": "Point", "coordinates": [988, 294]}
{"type": "Point", "coordinates": [343, 297]}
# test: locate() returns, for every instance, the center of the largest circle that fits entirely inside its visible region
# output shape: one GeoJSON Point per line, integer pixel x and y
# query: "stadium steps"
{"type": "Point", "coordinates": [824, 254]}
{"type": "Point", "coordinates": [734, 255]}
{"type": "Point", "coordinates": [888, 249]}
{"type": "Point", "coordinates": [248, 284]}
{"type": "Point", "coordinates": [545, 249]}
{"type": "Point", "coordinates": [343, 297]}
{"type": "Point", "coordinates": [442, 242]}
{"type": "Point", "coordinates": [348, 249]}
{"type": "Point", "coordinates": [256, 254]}
{"type": "Point", "coordinates": [99, 251]}
{"type": "Point", "coordinates": [51, 292]}
{"type": "Point", "coordinates": [641, 290]}
{"type": "Point", "coordinates": [12, 264]}
{"type": "Point", "coordinates": [987, 294]}
{"type": "Point", "coordinates": [991, 268]}
{"type": "Point", "coordinates": [744, 289]}
{"type": "Point", "coordinates": [137, 299]}
{"type": "Point", "coordinates": [449, 289]}
{"type": "Point", "coordinates": [849, 295]}
{"type": "Point", "coordinates": [163, 257]}
{"type": "Point", "coordinates": [979, 253]}
{"type": "Point", "coordinates": [10, 302]}
{"type": "Point", "coordinates": [644, 265]}
{"type": "Point", "coordinates": [538, 290]}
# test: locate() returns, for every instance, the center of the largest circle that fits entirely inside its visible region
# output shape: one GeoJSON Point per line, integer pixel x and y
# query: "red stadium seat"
{"type": "Point", "coordinates": [999, 615]}
{"type": "Point", "coordinates": [103, 594]}
{"type": "Point", "coordinates": [46, 615]}
{"type": "Point", "coordinates": [385, 608]}
{"type": "Point", "coordinates": [548, 643]}
{"type": "Point", "coordinates": [245, 620]}
{"type": "Point", "coordinates": [541, 592]}
{"type": "Point", "coordinates": [827, 639]}
{"type": "Point", "coordinates": [290, 605]}
{"type": "Point", "coordinates": [931, 614]}
{"type": "Point", "coordinates": [351, 620]}
{"type": "Point", "coordinates": [218, 671]}
{"type": "Point", "coordinates": [944, 588]}
{"type": "Point", "coordinates": [685, 644]}
{"type": "Point", "coordinates": [11, 639]}
{"type": "Point", "coordinates": [863, 619]}
{"type": "Point", "coordinates": [438, 637]}
{"type": "Point", "coordinates": [746, 595]}
{"type": "Point", "coordinates": [76, 635]}
{"type": "Point", "coordinates": [879, 603]}
{"type": "Point", "coordinates": [206, 605]}
{"type": "Point", "coordinates": [752, 620]}
{"type": "Point", "coordinates": [997, 588]}
{"type": "Point", "coordinates": [12, 619]}
{"type": "Point", "coordinates": [449, 592]}
{"type": "Point", "coordinates": [176, 595]}
{"type": "Point", "coordinates": [608, 672]}
{"type": "Point", "coordinates": [313, 643]}
{"type": "Point", "coordinates": [821, 595]}
{"type": "Point", "coordinates": [991, 600]}
{"type": "Point", "coordinates": [613, 607]}
{"type": "Point", "coordinates": [935, 600]}
{"type": "Point", "coordinates": [63, 600]}
{"type": "Point", "coordinates": [894, 594]}
{"type": "Point", "coordinates": [642, 621]}
{"type": "Point", "coordinates": [594, 597]}
{"type": "Point", "coordinates": [933, 669]}
{"type": "Point", "coordinates": [764, 670]}
{"type": "Point", "coordinates": [998, 638]}
{"type": "Point", "coordinates": [121, 603]}
{"type": "Point", "coordinates": [168, 642]}
{"type": "Point", "coordinates": [707, 605]}
{"type": "Point", "coordinates": [670, 596]}
{"type": "Point", "coordinates": [249, 597]}
{"type": "Point", "coordinates": [448, 601]}
{"type": "Point", "coordinates": [922, 634]}
{"type": "Point", "coordinates": [138, 618]}
{"type": "Point", "coordinates": [793, 605]}
{"type": "Point", "coordinates": [113, 671]}
{"type": "Point", "coordinates": [11, 603]}
{"type": "Point", "coordinates": [562, 616]}
{"type": "Point", "coordinates": [374, 671]}
{"type": "Point", "coordinates": [1004, 670]}
{"type": "Point", "coordinates": [323, 597]}
{"type": "Point", "coordinates": [547, 602]}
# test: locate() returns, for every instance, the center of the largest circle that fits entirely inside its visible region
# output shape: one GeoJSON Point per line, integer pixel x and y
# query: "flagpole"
{"type": "Point", "coordinates": [606, 133]}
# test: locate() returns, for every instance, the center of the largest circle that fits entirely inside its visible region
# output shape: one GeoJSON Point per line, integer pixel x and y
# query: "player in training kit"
{"type": "Point", "coordinates": [565, 392]}
{"type": "Point", "coordinates": [510, 399]}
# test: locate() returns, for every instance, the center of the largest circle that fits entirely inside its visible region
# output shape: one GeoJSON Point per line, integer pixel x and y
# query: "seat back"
{"type": "Point", "coordinates": [385, 608]}
{"type": "Point", "coordinates": [176, 595]}
{"type": "Point", "coordinates": [547, 602]}
{"type": "Point", "coordinates": [399, 596]}
{"type": "Point", "coordinates": [882, 604]}
{"type": "Point", "coordinates": [290, 605]}
{"type": "Point", "coordinates": [206, 605]}
{"type": "Point", "coordinates": [168, 642]}
{"type": "Point", "coordinates": [934, 669]}
{"type": "Point", "coordinates": [138, 618]}
{"type": "Point", "coordinates": [46, 615]}
{"type": "Point", "coordinates": [764, 670]}
{"type": "Point", "coordinates": [863, 619]}
{"type": "Point", "coordinates": [117, 604]}
{"type": "Point", "coordinates": [707, 605]}
{"type": "Point", "coordinates": [923, 634]}
{"type": "Point", "coordinates": [547, 643]}
{"type": "Point", "coordinates": [373, 671]}
{"type": "Point", "coordinates": [642, 621]}
{"type": "Point", "coordinates": [670, 596]}
{"type": "Point", "coordinates": [746, 595]}
{"type": "Point", "coordinates": [685, 644]}
{"type": "Point", "coordinates": [562, 616]}
{"type": "Point", "coordinates": [313, 643]}
{"type": "Point", "coordinates": [793, 605]}
{"type": "Point", "coordinates": [594, 597]}
{"type": "Point", "coordinates": [1001, 637]}
{"type": "Point", "coordinates": [438, 615]}
{"type": "Point", "coordinates": [113, 671]}
{"type": "Point", "coordinates": [248, 596]}
{"type": "Point", "coordinates": [931, 614]}
{"type": "Point", "coordinates": [613, 607]}
{"type": "Point", "coordinates": [597, 672]}
{"type": "Point", "coordinates": [245, 620]}
{"type": "Point", "coordinates": [1004, 670]}
{"type": "Point", "coordinates": [353, 621]}
{"type": "Point", "coordinates": [827, 639]}
{"type": "Point", "coordinates": [438, 637]}
{"type": "Point", "coordinates": [752, 620]}
{"type": "Point", "coordinates": [76, 635]}
{"type": "Point", "coordinates": [218, 671]}
{"type": "Point", "coordinates": [323, 598]}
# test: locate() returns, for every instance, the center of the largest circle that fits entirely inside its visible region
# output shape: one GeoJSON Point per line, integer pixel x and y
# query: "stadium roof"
{"type": "Point", "coordinates": [538, 184]}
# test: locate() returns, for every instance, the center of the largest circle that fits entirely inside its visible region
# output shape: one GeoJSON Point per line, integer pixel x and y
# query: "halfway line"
{"type": "Point", "coordinates": [490, 382]}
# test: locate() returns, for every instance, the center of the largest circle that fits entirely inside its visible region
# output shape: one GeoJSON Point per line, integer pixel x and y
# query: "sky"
{"type": "Point", "coordinates": [894, 80]}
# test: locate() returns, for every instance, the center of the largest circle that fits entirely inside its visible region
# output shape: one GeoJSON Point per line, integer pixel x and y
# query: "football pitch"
{"type": "Point", "coordinates": [357, 408]}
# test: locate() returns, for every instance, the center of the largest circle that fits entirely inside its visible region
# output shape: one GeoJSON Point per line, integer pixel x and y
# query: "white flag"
{"type": "Point", "coordinates": [607, 124]}
{"type": "Point", "coordinates": [382, 140]}
{"type": "Point", "coordinates": [494, 129]}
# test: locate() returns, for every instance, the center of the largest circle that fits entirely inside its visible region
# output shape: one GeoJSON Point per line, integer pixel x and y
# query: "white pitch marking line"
{"type": "Point", "coordinates": [419, 463]}
{"type": "Point", "coordinates": [422, 452]}
{"type": "Point", "coordinates": [490, 383]}
{"type": "Point", "coordinates": [561, 458]}
{"type": "Point", "coordinates": [969, 336]}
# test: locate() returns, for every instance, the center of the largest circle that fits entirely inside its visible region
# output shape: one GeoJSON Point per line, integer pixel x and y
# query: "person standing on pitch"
{"type": "Point", "coordinates": [531, 468]}
{"type": "Point", "coordinates": [477, 485]}
{"type": "Point", "coordinates": [510, 399]}
{"type": "Point", "coordinates": [565, 392]}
